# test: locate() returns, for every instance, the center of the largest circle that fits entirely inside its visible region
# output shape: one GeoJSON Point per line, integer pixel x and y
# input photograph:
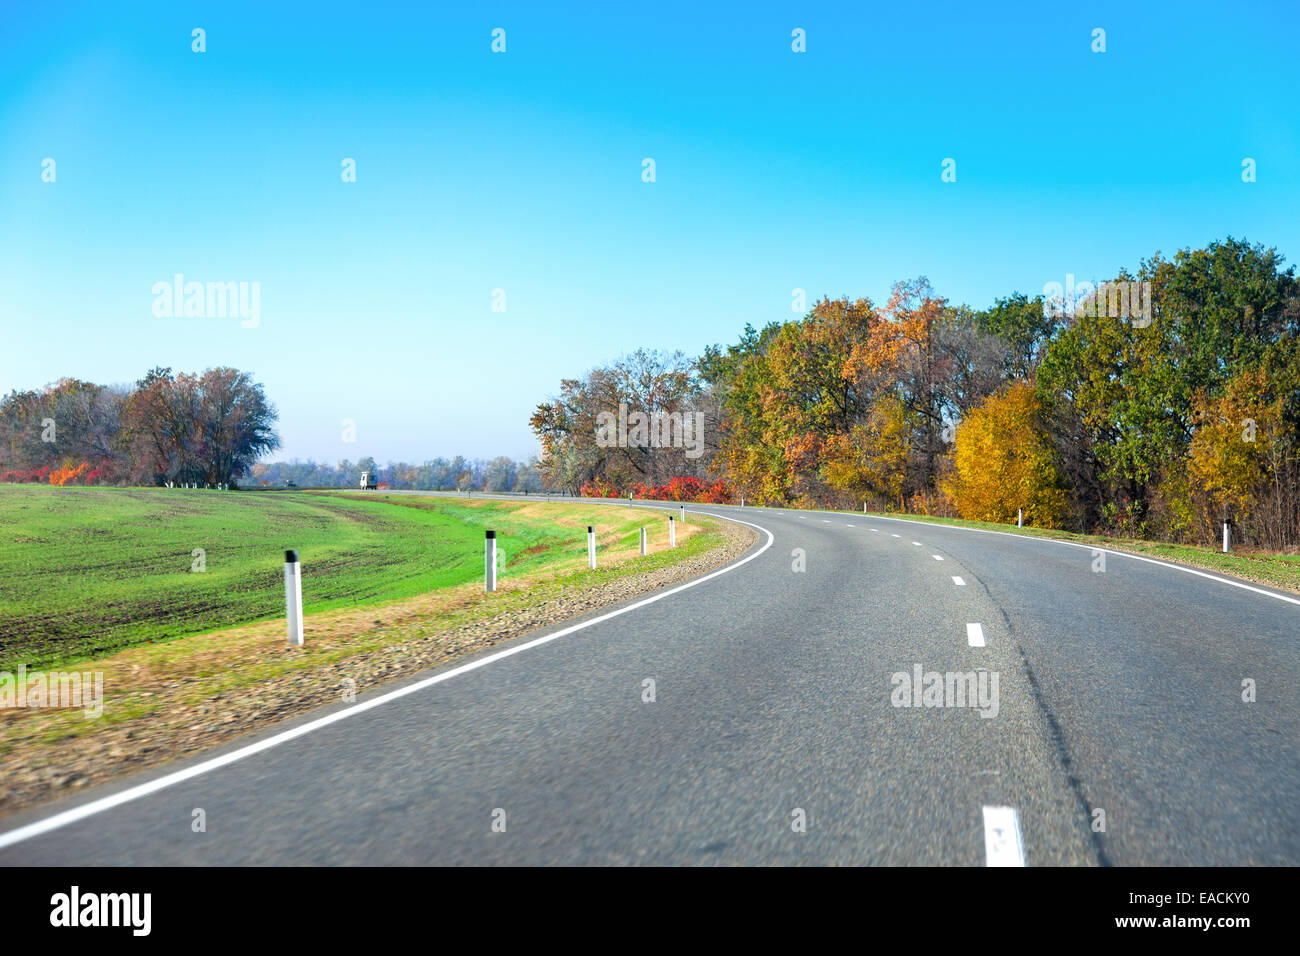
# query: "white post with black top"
{"type": "Point", "coordinates": [293, 597]}
{"type": "Point", "coordinates": [489, 561]}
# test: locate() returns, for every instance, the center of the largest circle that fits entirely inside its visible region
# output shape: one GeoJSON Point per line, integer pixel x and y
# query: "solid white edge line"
{"type": "Point", "coordinates": [75, 814]}
{"type": "Point", "coordinates": [1003, 844]}
{"type": "Point", "coordinates": [974, 635]}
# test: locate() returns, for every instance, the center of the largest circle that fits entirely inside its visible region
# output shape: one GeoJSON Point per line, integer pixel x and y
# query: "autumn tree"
{"type": "Point", "coordinates": [235, 424]}
{"type": "Point", "coordinates": [574, 428]}
{"type": "Point", "coordinates": [208, 428]}
{"type": "Point", "coordinates": [1244, 461]}
{"type": "Point", "coordinates": [742, 378]}
{"type": "Point", "coordinates": [63, 425]}
{"type": "Point", "coordinates": [1004, 461]}
{"type": "Point", "coordinates": [869, 461]}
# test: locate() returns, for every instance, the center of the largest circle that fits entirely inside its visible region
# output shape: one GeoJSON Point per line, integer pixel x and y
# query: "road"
{"type": "Point", "coordinates": [773, 736]}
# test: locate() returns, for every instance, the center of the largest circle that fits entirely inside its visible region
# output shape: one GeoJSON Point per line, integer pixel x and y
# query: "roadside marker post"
{"type": "Point", "coordinates": [489, 561]}
{"type": "Point", "coordinates": [293, 597]}
{"type": "Point", "coordinates": [591, 547]}
{"type": "Point", "coordinates": [672, 532]}
{"type": "Point", "coordinates": [683, 518]}
{"type": "Point", "coordinates": [643, 543]}
{"type": "Point", "coordinates": [1227, 538]}
{"type": "Point", "coordinates": [1020, 517]}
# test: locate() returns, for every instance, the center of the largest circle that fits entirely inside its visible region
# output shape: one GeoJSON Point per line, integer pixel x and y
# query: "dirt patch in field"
{"type": "Point", "coordinates": [168, 701]}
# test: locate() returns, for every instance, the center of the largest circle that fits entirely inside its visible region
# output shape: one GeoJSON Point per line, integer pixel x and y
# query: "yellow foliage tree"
{"type": "Point", "coordinates": [1003, 461]}
{"type": "Point", "coordinates": [1228, 462]}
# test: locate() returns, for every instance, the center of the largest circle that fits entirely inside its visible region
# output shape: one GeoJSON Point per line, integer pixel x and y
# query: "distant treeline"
{"type": "Point", "coordinates": [459, 473]}
{"type": "Point", "coordinates": [207, 428]}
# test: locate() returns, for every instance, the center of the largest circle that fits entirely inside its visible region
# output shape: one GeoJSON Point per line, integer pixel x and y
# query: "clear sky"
{"type": "Point", "coordinates": [522, 171]}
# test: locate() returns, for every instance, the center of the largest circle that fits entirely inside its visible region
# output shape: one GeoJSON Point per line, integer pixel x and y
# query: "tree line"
{"type": "Point", "coordinates": [206, 428]}
{"type": "Point", "coordinates": [455, 474]}
{"type": "Point", "coordinates": [1083, 417]}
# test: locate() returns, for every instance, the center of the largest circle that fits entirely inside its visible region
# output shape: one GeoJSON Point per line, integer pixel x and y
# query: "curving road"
{"type": "Point", "coordinates": [775, 690]}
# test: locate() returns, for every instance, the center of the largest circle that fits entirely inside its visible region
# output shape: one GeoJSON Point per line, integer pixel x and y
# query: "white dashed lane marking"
{"type": "Point", "coordinates": [937, 557]}
{"type": "Point", "coordinates": [974, 635]}
{"type": "Point", "coordinates": [956, 579]}
{"type": "Point", "coordinates": [1002, 843]}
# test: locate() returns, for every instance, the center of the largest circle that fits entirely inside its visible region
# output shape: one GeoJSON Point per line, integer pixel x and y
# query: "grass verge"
{"type": "Point", "coordinates": [88, 571]}
{"type": "Point", "coordinates": [169, 699]}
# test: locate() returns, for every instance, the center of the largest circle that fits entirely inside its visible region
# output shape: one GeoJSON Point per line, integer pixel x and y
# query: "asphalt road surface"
{"type": "Point", "coordinates": [1118, 733]}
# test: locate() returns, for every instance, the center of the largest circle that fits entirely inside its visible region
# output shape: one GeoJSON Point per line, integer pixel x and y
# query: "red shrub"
{"type": "Point", "coordinates": [681, 488]}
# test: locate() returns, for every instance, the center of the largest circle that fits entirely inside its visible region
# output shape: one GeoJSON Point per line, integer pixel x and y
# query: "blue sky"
{"type": "Point", "coordinates": [522, 171]}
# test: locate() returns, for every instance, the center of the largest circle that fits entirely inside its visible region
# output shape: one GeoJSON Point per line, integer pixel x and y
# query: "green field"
{"type": "Point", "coordinates": [86, 571]}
